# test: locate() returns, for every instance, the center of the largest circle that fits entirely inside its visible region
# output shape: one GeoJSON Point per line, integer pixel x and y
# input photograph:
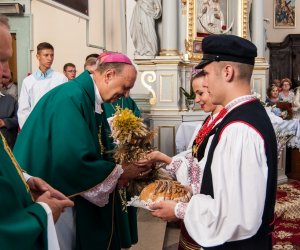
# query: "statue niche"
{"type": "Point", "coordinates": [142, 27]}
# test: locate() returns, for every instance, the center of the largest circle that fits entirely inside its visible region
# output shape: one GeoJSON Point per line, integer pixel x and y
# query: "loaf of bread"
{"type": "Point", "coordinates": [165, 190]}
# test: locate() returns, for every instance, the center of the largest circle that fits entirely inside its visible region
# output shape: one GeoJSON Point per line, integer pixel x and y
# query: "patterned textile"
{"type": "Point", "coordinates": [286, 234]}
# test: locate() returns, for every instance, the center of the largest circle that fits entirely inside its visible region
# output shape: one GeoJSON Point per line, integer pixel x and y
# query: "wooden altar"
{"type": "Point", "coordinates": [285, 59]}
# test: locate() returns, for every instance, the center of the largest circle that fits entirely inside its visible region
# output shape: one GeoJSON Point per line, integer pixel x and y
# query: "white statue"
{"type": "Point", "coordinates": [210, 17]}
{"type": "Point", "coordinates": [142, 26]}
{"type": "Point", "coordinates": [296, 105]}
{"type": "Point", "coordinates": [297, 99]}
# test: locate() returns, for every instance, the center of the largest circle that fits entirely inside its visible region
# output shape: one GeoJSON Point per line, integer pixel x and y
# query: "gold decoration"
{"type": "Point", "coordinates": [14, 161]}
{"type": "Point", "coordinates": [102, 148]}
{"type": "Point", "coordinates": [122, 194]}
{"type": "Point", "coordinates": [241, 15]}
{"type": "Point", "coordinates": [133, 142]}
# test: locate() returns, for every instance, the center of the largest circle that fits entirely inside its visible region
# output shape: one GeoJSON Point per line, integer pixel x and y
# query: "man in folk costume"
{"type": "Point", "coordinates": [64, 142]}
{"type": "Point", "coordinates": [235, 207]}
{"type": "Point", "coordinates": [27, 208]}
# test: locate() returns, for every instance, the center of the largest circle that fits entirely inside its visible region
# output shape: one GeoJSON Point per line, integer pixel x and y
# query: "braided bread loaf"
{"type": "Point", "coordinates": [165, 190]}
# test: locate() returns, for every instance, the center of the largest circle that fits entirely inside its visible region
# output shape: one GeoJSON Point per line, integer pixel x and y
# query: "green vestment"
{"type": "Point", "coordinates": [23, 223]}
{"type": "Point", "coordinates": [125, 217]}
{"type": "Point", "coordinates": [123, 102]}
{"type": "Point", "coordinates": [62, 143]}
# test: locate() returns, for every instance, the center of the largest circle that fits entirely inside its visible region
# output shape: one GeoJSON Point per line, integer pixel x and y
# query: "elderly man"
{"type": "Point", "coordinates": [235, 206]}
{"type": "Point", "coordinates": [8, 118]}
{"type": "Point", "coordinates": [25, 224]}
{"type": "Point", "coordinates": [69, 141]}
{"type": "Point", "coordinates": [8, 87]}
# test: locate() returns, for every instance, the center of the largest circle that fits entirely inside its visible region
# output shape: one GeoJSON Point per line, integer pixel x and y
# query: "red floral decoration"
{"type": "Point", "coordinates": [286, 107]}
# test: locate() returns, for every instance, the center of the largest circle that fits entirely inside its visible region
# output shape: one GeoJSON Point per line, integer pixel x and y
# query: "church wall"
{"type": "Point", "coordinates": [113, 23]}
{"type": "Point", "coordinates": [67, 32]}
{"type": "Point", "coordinates": [278, 34]}
{"type": "Point", "coordinates": [70, 33]}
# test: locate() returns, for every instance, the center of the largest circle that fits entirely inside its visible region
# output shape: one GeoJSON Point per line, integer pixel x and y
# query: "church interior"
{"type": "Point", "coordinates": [164, 51]}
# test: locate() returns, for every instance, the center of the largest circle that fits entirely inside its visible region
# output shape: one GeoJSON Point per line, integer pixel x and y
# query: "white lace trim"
{"type": "Point", "coordinates": [136, 202]}
{"type": "Point", "coordinates": [99, 195]}
{"type": "Point", "coordinates": [239, 101]}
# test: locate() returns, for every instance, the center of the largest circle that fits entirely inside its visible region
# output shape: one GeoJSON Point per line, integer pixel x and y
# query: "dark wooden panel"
{"type": "Point", "coordinates": [285, 59]}
{"type": "Point", "coordinates": [295, 165]}
{"type": "Point", "coordinates": [78, 5]}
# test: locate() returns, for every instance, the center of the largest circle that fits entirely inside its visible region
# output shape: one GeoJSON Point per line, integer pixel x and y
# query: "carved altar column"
{"type": "Point", "coordinates": [169, 45]}
{"type": "Point", "coordinates": [181, 27]}
{"type": "Point", "coordinates": [162, 76]}
{"type": "Point", "coordinates": [259, 78]}
{"type": "Point", "coordinates": [258, 26]}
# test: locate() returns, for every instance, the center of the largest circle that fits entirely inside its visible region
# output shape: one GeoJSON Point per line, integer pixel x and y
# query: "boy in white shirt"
{"type": "Point", "coordinates": [39, 82]}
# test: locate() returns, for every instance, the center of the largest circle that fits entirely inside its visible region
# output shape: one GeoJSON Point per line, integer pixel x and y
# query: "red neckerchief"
{"type": "Point", "coordinates": [205, 130]}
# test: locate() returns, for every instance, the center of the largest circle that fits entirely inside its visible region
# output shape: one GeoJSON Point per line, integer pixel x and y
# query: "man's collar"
{"type": "Point", "coordinates": [1, 94]}
{"type": "Point", "coordinates": [7, 86]}
{"type": "Point", "coordinates": [98, 98]}
{"type": "Point", "coordinates": [39, 75]}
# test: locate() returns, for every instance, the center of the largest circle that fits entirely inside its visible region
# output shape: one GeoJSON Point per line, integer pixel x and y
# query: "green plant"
{"type": "Point", "coordinates": [188, 95]}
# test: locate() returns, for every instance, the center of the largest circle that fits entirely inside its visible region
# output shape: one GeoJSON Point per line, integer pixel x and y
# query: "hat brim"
{"type": "Point", "coordinates": [203, 63]}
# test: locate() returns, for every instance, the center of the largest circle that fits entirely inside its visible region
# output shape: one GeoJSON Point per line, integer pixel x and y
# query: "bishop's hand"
{"type": "Point", "coordinates": [38, 186]}
{"type": "Point", "coordinates": [132, 171]}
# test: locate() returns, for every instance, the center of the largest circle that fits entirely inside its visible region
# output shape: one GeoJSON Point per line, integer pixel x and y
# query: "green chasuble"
{"type": "Point", "coordinates": [126, 217]}
{"type": "Point", "coordinates": [123, 102]}
{"type": "Point", "coordinates": [60, 142]}
{"type": "Point", "coordinates": [23, 223]}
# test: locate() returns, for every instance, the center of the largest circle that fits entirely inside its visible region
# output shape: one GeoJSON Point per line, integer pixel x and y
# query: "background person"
{"type": "Point", "coordinates": [277, 83]}
{"type": "Point", "coordinates": [8, 118]}
{"type": "Point", "coordinates": [39, 82]}
{"type": "Point", "coordinates": [27, 208]}
{"type": "Point", "coordinates": [91, 55]}
{"type": "Point", "coordinates": [8, 87]}
{"type": "Point", "coordinates": [286, 94]}
{"type": "Point", "coordinates": [272, 95]}
{"type": "Point", "coordinates": [70, 71]}
{"type": "Point", "coordinates": [90, 64]}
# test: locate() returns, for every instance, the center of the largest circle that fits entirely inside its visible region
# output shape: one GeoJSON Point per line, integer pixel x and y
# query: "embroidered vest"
{"type": "Point", "coordinates": [254, 114]}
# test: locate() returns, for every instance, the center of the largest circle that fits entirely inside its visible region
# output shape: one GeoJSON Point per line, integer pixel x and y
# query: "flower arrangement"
{"type": "Point", "coordinates": [286, 109]}
{"type": "Point", "coordinates": [281, 109]}
{"type": "Point", "coordinates": [133, 142]}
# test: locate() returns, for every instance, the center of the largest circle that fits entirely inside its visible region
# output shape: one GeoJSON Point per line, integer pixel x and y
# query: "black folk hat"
{"type": "Point", "coordinates": [227, 48]}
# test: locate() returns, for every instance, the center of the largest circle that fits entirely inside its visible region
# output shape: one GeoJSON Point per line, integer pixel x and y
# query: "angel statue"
{"type": "Point", "coordinates": [142, 26]}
